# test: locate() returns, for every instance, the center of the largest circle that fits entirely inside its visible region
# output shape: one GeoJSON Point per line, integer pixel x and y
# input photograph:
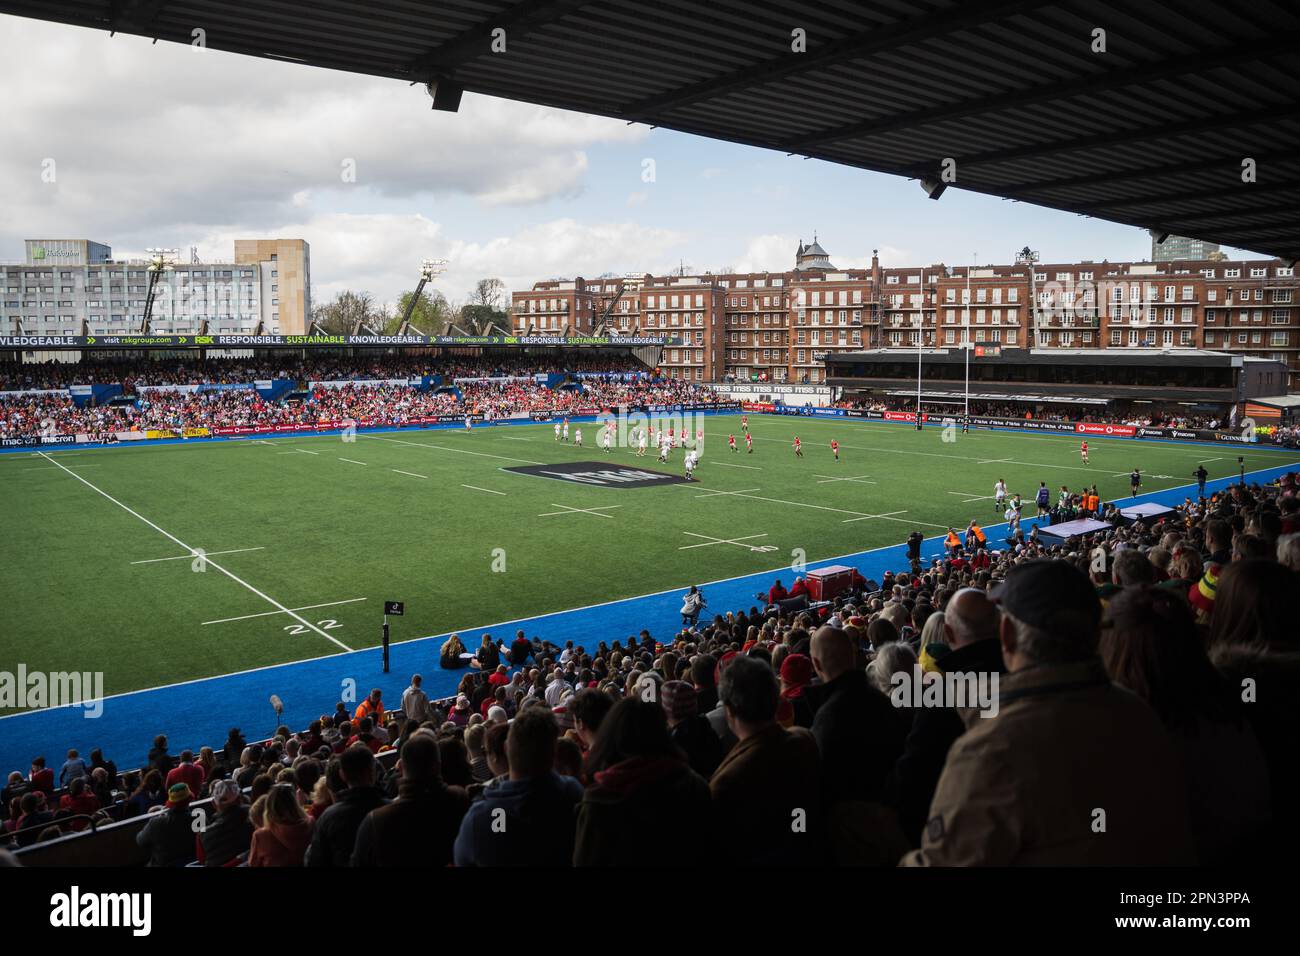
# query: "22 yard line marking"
{"type": "Point", "coordinates": [167, 534]}
{"type": "Point", "coordinates": [351, 461]}
{"type": "Point", "coordinates": [410, 473]}
{"type": "Point", "coordinates": [183, 557]}
{"type": "Point", "coordinates": [861, 478]}
{"type": "Point", "coordinates": [227, 620]}
{"type": "Point", "coordinates": [488, 490]}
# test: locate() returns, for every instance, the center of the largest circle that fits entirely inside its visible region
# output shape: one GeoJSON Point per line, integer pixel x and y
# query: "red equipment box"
{"type": "Point", "coordinates": [825, 583]}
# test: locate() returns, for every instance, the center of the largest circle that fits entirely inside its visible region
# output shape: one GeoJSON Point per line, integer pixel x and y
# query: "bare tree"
{"type": "Point", "coordinates": [489, 292]}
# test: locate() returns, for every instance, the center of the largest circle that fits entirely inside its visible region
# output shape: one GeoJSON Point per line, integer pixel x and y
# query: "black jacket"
{"type": "Point", "coordinates": [859, 735]}
{"type": "Point", "coordinates": [226, 836]}
{"type": "Point", "coordinates": [169, 837]}
{"type": "Point", "coordinates": [335, 835]}
{"type": "Point", "coordinates": [638, 797]}
{"type": "Point", "coordinates": [911, 784]}
{"type": "Point", "coordinates": [418, 829]}
{"type": "Point", "coordinates": [703, 748]}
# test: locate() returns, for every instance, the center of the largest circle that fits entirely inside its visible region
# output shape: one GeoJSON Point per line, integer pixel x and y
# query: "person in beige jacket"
{"type": "Point", "coordinates": [1073, 770]}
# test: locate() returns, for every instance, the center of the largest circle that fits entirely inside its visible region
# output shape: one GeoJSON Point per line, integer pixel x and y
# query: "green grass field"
{"type": "Point", "coordinates": [331, 529]}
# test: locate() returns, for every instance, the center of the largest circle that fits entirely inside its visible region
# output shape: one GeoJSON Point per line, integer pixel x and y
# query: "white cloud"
{"type": "Point", "coordinates": [195, 142]}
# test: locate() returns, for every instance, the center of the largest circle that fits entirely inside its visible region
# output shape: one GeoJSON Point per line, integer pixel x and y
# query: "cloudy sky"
{"type": "Point", "coordinates": [164, 145]}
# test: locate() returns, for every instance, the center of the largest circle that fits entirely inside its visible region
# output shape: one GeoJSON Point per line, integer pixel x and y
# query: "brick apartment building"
{"type": "Point", "coordinates": [777, 326]}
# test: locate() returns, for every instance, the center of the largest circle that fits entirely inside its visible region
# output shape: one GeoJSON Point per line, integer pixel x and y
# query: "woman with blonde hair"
{"type": "Point", "coordinates": [285, 832]}
{"type": "Point", "coordinates": [450, 655]}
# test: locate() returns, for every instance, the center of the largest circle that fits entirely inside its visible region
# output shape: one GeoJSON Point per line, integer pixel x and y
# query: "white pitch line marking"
{"type": "Point", "coordinates": [587, 511]}
{"type": "Point", "coordinates": [463, 451]}
{"type": "Point", "coordinates": [309, 607]}
{"type": "Point", "coordinates": [304, 451]}
{"type": "Point", "coordinates": [184, 557]}
{"type": "Point", "coordinates": [411, 473]}
{"type": "Point", "coordinates": [728, 465]}
{"type": "Point", "coordinates": [859, 478]}
{"type": "Point", "coordinates": [736, 541]}
{"type": "Point", "coordinates": [887, 514]}
{"type": "Point", "coordinates": [488, 490]}
{"type": "Point", "coordinates": [167, 534]}
{"type": "Point", "coordinates": [992, 461]}
{"type": "Point", "coordinates": [352, 461]}
{"type": "Point", "coordinates": [714, 494]}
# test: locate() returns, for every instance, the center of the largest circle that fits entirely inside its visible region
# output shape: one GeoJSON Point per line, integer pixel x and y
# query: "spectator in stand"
{"type": "Point", "coordinates": [415, 702]}
{"type": "Point", "coordinates": [859, 733]}
{"type": "Point", "coordinates": [1026, 786]}
{"type": "Point", "coordinates": [150, 793]}
{"type": "Point", "coordinates": [589, 709]}
{"type": "Point", "coordinates": [419, 828]}
{"type": "Point", "coordinates": [186, 772]}
{"type": "Point", "coordinates": [168, 836]}
{"type": "Point", "coordinates": [970, 626]}
{"type": "Point", "coordinates": [80, 800]}
{"type": "Point", "coordinates": [1151, 647]}
{"type": "Point", "coordinates": [536, 826]}
{"type": "Point", "coordinates": [72, 768]}
{"type": "Point", "coordinates": [641, 781]}
{"type": "Point", "coordinates": [159, 759]}
{"type": "Point", "coordinates": [228, 832]}
{"type": "Point", "coordinates": [1255, 644]}
{"type": "Point", "coordinates": [14, 789]}
{"type": "Point", "coordinates": [1132, 569]}
{"type": "Point", "coordinates": [41, 777]}
{"type": "Point", "coordinates": [285, 831]}
{"type": "Point", "coordinates": [33, 817]}
{"type": "Point", "coordinates": [765, 792]}
{"type": "Point", "coordinates": [372, 707]}
{"type": "Point", "coordinates": [687, 728]}
{"type": "Point", "coordinates": [336, 831]}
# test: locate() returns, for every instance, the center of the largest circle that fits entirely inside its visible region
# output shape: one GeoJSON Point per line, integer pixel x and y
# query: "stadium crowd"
{"type": "Point", "coordinates": [1141, 686]}
{"type": "Point", "coordinates": [28, 414]}
{"type": "Point", "coordinates": [324, 366]}
{"type": "Point", "coordinates": [1064, 412]}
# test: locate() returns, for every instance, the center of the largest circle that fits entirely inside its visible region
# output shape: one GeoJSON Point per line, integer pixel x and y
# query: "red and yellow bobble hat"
{"type": "Point", "coordinates": [1202, 593]}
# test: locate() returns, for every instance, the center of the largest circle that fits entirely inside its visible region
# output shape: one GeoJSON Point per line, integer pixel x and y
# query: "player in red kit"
{"type": "Point", "coordinates": [731, 443]}
{"type": "Point", "coordinates": [798, 447]}
{"type": "Point", "coordinates": [835, 447]}
{"type": "Point", "coordinates": [1083, 450]}
{"type": "Point", "coordinates": [749, 443]}
{"type": "Point", "coordinates": [744, 424]}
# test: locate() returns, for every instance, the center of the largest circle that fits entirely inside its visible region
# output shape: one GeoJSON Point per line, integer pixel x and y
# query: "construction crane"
{"type": "Point", "coordinates": [429, 269]}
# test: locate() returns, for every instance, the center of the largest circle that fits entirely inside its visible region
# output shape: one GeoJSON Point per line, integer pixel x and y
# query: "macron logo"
{"type": "Point", "coordinates": [77, 909]}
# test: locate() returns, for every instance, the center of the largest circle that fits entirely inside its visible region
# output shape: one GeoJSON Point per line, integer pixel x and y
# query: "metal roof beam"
{"type": "Point", "coordinates": [518, 21]}
{"type": "Point", "coordinates": [1200, 62]}
{"type": "Point", "coordinates": [1136, 134]}
{"type": "Point", "coordinates": [852, 47]}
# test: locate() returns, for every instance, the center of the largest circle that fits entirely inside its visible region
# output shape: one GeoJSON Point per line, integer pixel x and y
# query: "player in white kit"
{"type": "Point", "coordinates": [641, 446]}
{"type": "Point", "coordinates": [566, 429]}
{"type": "Point", "coordinates": [557, 431]}
{"type": "Point", "coordinates": [604, 441]}
{"type": "Point", "coordinates": [577, 437]}
{"type": "Point", "coordinates": [692, 459]}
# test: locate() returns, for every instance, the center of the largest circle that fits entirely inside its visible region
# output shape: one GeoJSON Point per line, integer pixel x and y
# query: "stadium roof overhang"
{"type": "Point", "coordinates": [1153, 122]}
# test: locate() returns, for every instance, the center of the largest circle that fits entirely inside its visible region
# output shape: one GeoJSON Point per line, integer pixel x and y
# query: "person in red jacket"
{"type": "Point", "coordinates": [799, 587]}
{"type": "Point", "coordinates": [79, 799]}
{"type": "Point", "coordinates": [41, 777]}
{"type": "Point", "coordinates": [777, 593]}
{"type": "Point", "coordinates": [187, 772]}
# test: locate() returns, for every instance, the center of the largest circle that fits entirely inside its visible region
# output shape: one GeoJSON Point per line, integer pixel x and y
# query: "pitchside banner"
{"type": "Point", "coordinates": [77, 342]}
